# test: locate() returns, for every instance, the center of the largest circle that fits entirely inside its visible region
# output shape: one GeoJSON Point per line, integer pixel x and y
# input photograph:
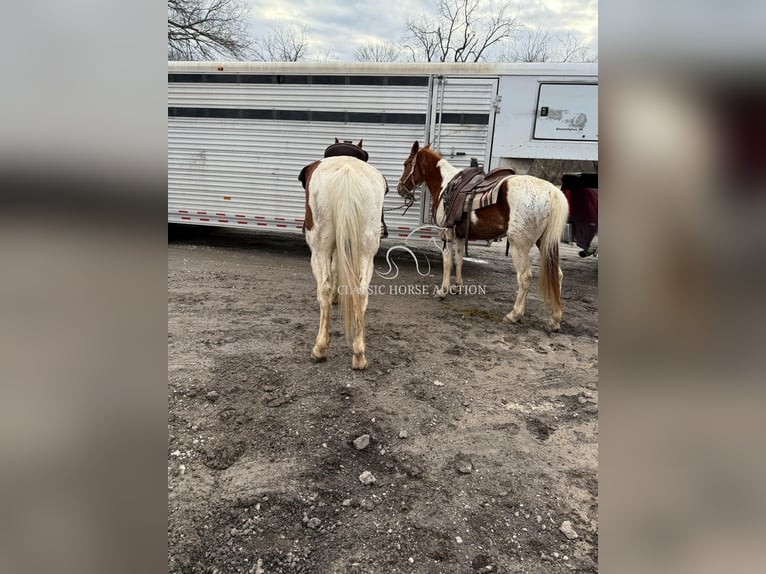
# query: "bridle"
{"type": "Point", "coordinates": [410, 197]}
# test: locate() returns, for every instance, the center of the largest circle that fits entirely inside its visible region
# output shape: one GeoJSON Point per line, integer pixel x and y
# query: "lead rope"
{"type": "Point", "coordinates": [406, 205]}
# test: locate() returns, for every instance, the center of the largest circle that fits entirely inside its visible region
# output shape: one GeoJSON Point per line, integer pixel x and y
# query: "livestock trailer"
{"type": "Point", "coordinates": [239, 133]}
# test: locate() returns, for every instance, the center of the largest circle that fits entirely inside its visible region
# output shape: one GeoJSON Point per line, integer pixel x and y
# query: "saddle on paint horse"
{"type": "Point", "coordinates": [469, 190]}
{"type": "Point", "coordinates": [343, 148]}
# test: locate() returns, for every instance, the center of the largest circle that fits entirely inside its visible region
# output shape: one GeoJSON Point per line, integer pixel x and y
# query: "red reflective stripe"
{"type": "Point", "coordinates": [204, 219]}
{"type": "Point", "coordinates": [182, 211]}
{"type": "Point", "coordinates": [223, 221]}
{"type": "Point", "coordinates": [221, 214]}
{"type": "Point", "coordinates": [281, 225]}
{"type": "Point", "coordinates": [201, 213]}
{"type": "Point", "coordinates": [238, 215]}
{"type": "Point", "coordinates": [259, 223]}
{"type": "Point", "coordinates": [242, 222]}
{"type": "Point", "coordinates": [186, 218]}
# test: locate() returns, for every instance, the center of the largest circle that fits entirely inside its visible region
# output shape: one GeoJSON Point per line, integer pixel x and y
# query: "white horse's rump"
{"type": "Point", "coordinates": [345, 196]}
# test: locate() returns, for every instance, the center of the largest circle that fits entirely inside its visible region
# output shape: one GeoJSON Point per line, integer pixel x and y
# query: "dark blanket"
{"type": "Point", "coordinates": [346, 149]}
{"type": "Point", "coordinates": [582, 193]}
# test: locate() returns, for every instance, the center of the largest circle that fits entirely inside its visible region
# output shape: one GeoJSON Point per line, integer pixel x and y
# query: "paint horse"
{"type": "Point", "coordinates": [528, 211]}
{"type": "Point", "coordinates": [344, 200]}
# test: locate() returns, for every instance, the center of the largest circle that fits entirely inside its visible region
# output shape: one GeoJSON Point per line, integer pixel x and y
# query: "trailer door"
{"type": "Point", "coordinates": [461, 120]}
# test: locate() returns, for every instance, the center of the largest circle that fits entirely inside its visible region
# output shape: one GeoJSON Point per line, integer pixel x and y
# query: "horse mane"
{"type": "Point", "coordinates": [430, 156]}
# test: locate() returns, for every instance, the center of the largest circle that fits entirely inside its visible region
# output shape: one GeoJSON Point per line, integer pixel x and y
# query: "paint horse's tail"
{"type": "Point", "coordinates": [550, 281]}
{"type": "Point", "coordinates": [356, 215]}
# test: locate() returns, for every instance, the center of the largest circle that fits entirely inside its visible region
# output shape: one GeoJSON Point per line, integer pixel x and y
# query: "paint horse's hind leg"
{"type": "Point", "coordinates": [322, 268]}
{"type": "Point", "coordinates": [555, 322]}
{"type": "Point", "coordinates": [520, 256]}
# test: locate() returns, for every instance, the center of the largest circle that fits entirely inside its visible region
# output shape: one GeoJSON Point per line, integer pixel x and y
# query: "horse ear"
{"type": "Point", "coordinates": [337, 140]}
{"type": "Point", "coordinates": [414, 149]}
{"type": "Point", "coordinates": [360, 143]}
{"type": "Point", "coordinates": [427, 146]}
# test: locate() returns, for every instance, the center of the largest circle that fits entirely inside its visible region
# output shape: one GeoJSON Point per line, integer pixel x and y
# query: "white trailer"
{"type": "Point", "coordinates": [239, 133]}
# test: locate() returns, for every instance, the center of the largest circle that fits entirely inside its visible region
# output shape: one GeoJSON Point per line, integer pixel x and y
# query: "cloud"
{"type": "Point", "coordinates": [562, 16]}
{"type": "Point", "coordinates": [339, 27]}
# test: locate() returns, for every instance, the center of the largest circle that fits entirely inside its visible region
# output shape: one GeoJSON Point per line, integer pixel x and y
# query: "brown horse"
{"type": "Point", "coordinates": [528, 211]}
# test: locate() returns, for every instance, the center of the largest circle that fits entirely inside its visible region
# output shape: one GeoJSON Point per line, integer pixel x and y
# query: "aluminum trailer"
{"type": "Point", "coordinates": [239, 133]}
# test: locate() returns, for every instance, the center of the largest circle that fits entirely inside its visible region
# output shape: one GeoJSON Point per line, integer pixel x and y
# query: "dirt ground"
{"type": "Point", "coordinates": [482, 434]}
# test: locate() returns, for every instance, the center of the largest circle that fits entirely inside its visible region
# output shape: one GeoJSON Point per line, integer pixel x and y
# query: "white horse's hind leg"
{"type": "Point", "coordinates": [459, 250]}
{"type": "Point", "coordinates": [322, 268]}
{"type": "Point", "coordinates": [520, 258]}
{"type": "Point", "coordinates": [447, 264]}
{"type": "Point", "coordinates": [334, 268]}
{"type": "Point", "coordinates": [359, 360]}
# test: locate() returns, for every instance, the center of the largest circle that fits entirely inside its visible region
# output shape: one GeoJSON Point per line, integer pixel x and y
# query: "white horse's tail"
{"type": "Point", "coordinates": [349, 215]}
{"type": "Point", "coordinates": [550, 281]}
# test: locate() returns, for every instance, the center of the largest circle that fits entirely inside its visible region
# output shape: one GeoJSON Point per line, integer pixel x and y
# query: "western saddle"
{"type": "Point", "coordinates": [469, 190]}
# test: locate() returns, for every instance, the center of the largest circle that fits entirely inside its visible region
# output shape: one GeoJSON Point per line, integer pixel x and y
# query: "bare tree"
{"type": "Point", "coordinates": [285, 42]}
{"type": "Point", "coordinates": [460, 31]}
{"type": "Point", "coordinates": [539, 45]}
{"type": "Point", "coordinates": [531, 45]}
{"type": "Point", "coordinates": [378, 52]}
{"type": "Point", "coordinates": [573, 49]}
{"type": "Point", "coordinates": [208, 30]}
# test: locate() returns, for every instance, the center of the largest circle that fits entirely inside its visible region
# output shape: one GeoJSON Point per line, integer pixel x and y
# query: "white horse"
{"type": "Point", "coordinates": [344, 200]}
{"type": "Point", "coordinates": [528, 211]}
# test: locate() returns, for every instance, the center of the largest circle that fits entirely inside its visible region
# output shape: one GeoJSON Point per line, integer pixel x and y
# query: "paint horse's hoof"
{"type": "Point", "coordinates": [317, 358]}
{"type": "Point", "coordinates": [511, 318]}
{"type": "Point", "coordinates": [554, 325]}
{"type": "Point", "coordinates": [439, 294]}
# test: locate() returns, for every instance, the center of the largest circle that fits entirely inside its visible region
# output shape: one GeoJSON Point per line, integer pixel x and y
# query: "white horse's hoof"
{"type": "Point", "coordinates": [439, 294]}
{"type": "Point", "coordinates": [359, 364]}
{"type": "Point", "coordinates": [510, 318]}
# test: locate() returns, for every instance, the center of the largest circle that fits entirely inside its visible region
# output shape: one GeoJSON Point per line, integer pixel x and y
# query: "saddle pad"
{"type": "Point", "coordinates": [485, 199]}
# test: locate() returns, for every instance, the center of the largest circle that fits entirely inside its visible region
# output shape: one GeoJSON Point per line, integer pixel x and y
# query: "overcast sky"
{"type": "Point", "coordinates": [338, 27]}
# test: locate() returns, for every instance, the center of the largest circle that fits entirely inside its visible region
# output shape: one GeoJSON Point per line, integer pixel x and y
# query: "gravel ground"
{"type": "Point", "coordinates": [468, 445]}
